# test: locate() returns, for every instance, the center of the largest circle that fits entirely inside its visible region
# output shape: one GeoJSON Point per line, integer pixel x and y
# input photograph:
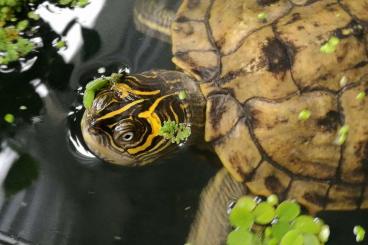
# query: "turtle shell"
{"type": "Point", "coordinates": [260, 63]}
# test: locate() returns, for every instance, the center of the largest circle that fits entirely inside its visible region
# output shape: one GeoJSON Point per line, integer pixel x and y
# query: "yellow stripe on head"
{"type": "Point", "coordinates": [174, 113]}
{"type": "Point", "coordinates": [121, 110]}
{"type": "Point", "coordinates": [126, 90]}
{"type": "Point", "coordinates": [154, 120]}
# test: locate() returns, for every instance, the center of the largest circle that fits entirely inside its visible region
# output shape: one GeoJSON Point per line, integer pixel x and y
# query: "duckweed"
{"type": "Point", "coordinates": [273, 200]}
{"type": "Point", "coordinates": [288, 210]}
{"type": "Point", "coordinates": [307, 224]}
{"type": "Point", "coordinates": [18, 17]}
{"type": "Point", "coordinates": [310, 239]}
{"type": "Point", "coordinates": [304, 115]}
{"type": "Point", "coordinates": [264, 213]}
{"type": "Point", "coordinates": [330, 46]}
{"type": "Point", "coordinates": [246, 203]}
{"type": "Point", "coordinates": [241, 219]}
{"type": "Point", "coordinates": [293, 237]}
{"type": "Point", "coordinates": [262, 16]}
{"type": "Point", "coordinates": [359, 233]}
{"type": "Point", "coordinates": [324, 234]}
{"type": "Point", "coordinates": [280, 228]}
{"type": "Point", "coordinates": [263, 223]}
{"type": "Point", "coordinates": [60, 44]}
{"type": "Point", "coordinates": [342, 135]}
{"type": "Point", "coordinates": [175, 132]}
{"type": "Point", "coordinates": [182, 95]}
{"type": "Point", "coordinates": [241, 236]}
{"type": "Point", "coordinates": [9, 118]}
{"type": "Point", "coordinates": [360, 96]}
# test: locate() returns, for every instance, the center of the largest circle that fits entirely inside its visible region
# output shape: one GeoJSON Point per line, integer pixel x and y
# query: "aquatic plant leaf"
{"type": "Point", "coordinates": [307, 224]}
{"type": "Point", "coordinates": [293, 237]}
{"type": "Point", "coordinates": [264, 213]}
{"type": "Point", "coordinates": [288, 210]}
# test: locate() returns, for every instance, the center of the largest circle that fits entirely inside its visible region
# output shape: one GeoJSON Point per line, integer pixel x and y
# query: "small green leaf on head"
{"type": "Point", "coordinates": [182, 95]}
{"type": "Point", "coordinates": [96, 85]}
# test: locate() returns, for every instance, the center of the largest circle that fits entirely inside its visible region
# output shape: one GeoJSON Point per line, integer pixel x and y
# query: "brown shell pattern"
{"type": "Point", "coordinates": [258, 74]}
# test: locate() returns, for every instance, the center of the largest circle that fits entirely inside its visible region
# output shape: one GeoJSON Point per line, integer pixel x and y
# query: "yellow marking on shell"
{"type": "Point", "coordinates": [125, 90]}
{"type": "Point", "coordinates": [155, 122]}
{"type": "Point", "coordinates": [121, 110]}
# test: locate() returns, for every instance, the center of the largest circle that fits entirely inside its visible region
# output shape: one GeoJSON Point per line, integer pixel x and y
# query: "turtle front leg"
{"type": "Point", "coordinates": [211, 225]}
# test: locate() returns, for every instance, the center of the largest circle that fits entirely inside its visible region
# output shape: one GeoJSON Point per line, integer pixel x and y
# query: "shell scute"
{"type": "Point", "coordinates": [222, 113]}
{"type": "Point", "coordinates": [309, 193]}
{"type": "Point", "coordinates": [311, 67]}
{"type": "Point", "coordinates": [240, 159]}
{"type": "Point", "coordinates": [305, 148]}
{"type": "Point", "coordinates": [263, 72]}
{"type": "Point", "coordinates": [354, 167]}
{"type": "Point", "coordinates": [269, 180]}
{"type": "Point", "coordinates": [241, 19]}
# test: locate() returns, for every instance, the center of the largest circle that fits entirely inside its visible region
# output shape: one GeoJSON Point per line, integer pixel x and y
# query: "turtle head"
{"type": "Point", "coordinates": [135, 119]}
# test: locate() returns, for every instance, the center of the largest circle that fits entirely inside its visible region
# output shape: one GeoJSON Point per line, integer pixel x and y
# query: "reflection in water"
{"type": "Point", "coordinates": [7, 157]}
{"type": "Point", "coordinates": [23, 172]}
{"type": "Point", "coordinates": [6, 239]}
{"type": "Point", "coordinates": [74, 135]}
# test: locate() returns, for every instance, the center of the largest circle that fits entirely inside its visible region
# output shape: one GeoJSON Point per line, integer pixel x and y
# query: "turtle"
{"type": "Point", "coordinates": [275, 87]}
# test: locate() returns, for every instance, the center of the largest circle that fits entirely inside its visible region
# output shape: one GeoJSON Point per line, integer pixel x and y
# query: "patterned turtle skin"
{"type": "Point", "coordinates": [251, 67]}
{"type": "Point", "coordinates": [259, 64]}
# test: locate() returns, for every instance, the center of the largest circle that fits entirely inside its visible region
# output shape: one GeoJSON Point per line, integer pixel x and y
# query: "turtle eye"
{"type": "Point", "coordinates": [128, 136]}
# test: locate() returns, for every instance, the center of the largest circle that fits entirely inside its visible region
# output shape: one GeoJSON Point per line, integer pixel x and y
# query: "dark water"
{"type": "Point", "coordinates": [56, 193]}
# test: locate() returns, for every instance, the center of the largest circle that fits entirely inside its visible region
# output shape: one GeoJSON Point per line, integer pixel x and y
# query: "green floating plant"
{"type": "Point", "coordinates": [304, 115]}
{"type": "Point", "coordinates": [16, 19]}
{"type": "Point", "coordinates": [74, 3]}
{"type": "Point", "coordinates": [262, 16]}
{"type": "Point", "coordinates": [359, 233]}
{"type": "Point", "coordinates": [342, 134]}
{"type": "Point", "coordinates": [9, 118]}
{"type": "Point", "coordinates": [13, 45]}
{"type": "Point", "coordinates": [360, 96]}
{"type": "Point", "coordinates": [182, 95]}
{"type": "Point", "coordinates": [175, 132]}
{"type": "Point", "coordinates": [268, 223]}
